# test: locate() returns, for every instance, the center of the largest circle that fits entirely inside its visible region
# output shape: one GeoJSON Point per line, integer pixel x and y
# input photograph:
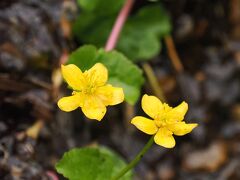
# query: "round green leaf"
{"type": "Point", "coordinates": [141, 35]}
{"type": "Point", "coordinates": [91, 164]}
{"type": "Point", "coordinates": [100, 6]}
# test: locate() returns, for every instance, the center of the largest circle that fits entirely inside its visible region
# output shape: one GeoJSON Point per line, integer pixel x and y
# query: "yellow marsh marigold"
{"type": "Point", "coordinates": [90, 91]}
{"type": "Point", "coordinates": [166, 121]}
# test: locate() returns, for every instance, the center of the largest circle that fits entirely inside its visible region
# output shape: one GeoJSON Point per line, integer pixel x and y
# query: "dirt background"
{"type": "Point", "coordinates": [35, 36]}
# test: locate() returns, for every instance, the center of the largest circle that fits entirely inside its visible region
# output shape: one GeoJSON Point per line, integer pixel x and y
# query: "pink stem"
{"type": "Point", "coordinates": [52, 175]}
{"type": "Point", "coordinates": [122, 16]}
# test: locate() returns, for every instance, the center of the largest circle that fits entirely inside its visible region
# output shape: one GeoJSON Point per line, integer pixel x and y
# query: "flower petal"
{"type": "Point", "coordinates": [94, 113]}
{"type": "Point", "coordinates": [181, 128]}
{"type": "Point", "coordinates": [110, 95]}
{"type": "Point", "coordinates": [98, 74]}
{"type": "Point", "coordinates": [145, 125]}
{"type": "Point", "coordinates": [69, 103]}
{"type": "Point", "coordinates": [164, 138]}
{"type": "Point", "coordinates": [178, 113]}
{"type": "Point", "coordinates": [151, 105]}
{"type": "Point", "coordinates": [93, 108]}
{"type": "Point", "coordinates": [118, 96]}
{"type": "Point", "coordinates": [73, 76]}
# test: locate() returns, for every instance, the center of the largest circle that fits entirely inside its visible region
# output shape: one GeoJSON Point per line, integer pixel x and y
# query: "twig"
{"type": "Point", "coordinates": [122, 16]}
{"type": "Point", "coordinates": [64, 57]}
{"type": "Point", "coordinates": [173, 54]}
{"type": "Point", "coordinates": [34, 130]}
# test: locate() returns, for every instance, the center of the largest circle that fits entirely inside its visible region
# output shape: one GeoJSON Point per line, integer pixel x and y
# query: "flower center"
{"type": "Point", "coordinates": [160, 120]}
{"type": "Point", "coordinates": [89, 89]}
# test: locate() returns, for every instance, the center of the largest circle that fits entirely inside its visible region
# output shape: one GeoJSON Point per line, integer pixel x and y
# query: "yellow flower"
{"type": "Point", "coordinates": [90, 91]}
{"type": "Point", "coordinates": [166, 121]}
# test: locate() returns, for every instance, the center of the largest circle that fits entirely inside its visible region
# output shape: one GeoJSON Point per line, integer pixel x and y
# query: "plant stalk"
{"type": "Point", "coordinates": [110, 45]}
{"type": "Point", "coordinates": [122, 16]}
{"type": "Point", "coordinates": [153, 82]}
{"type": "Point", "coordinates": [135, 160]}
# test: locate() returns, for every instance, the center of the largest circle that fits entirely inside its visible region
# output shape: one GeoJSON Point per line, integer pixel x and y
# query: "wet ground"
{"type": "Point", "coordinates": [35, 38]}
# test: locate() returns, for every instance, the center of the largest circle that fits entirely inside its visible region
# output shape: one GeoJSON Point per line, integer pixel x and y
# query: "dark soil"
{"type": "Point", "coordinates": [35, 38]}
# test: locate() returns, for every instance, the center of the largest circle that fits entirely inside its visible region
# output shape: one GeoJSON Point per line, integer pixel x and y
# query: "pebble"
{"type": "Point", "coordinates": [209, 159]}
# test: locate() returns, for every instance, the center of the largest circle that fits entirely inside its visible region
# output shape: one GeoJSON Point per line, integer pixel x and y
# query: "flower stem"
{"type": "Point", "coordinates": [111, 43]}
{"type": "Point", "coordinates": [135, 160]}
{"type": "Point", "coordinates": [154, 82]}
{"type": "Point", "coordinates": [122, 16]}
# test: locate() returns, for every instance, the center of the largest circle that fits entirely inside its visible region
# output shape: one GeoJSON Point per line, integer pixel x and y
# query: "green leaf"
{"type": "Point", "coordinates": [91, 164]}
{"type": "Point", "coordinates": [100, 6]}
{"type": "Point", "coordinates": [140, 38]}
{"type": "Point", "coordinates": [122, 72]}
{"type": "Point", "coordinates": [154, 19]}
{"type": "Point", "coordinates": [95, 15]}
{"type": "Point", "coordinates": [93, 29]}
{"type": "Point", "coordinates": [138, 45]}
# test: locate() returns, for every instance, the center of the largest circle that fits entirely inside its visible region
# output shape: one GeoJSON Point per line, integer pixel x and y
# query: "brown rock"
{"type": "Point", "coordinates": [209, 159]}
{"type": "Point", "coordinates": [235, 112]}
{"type": "Point", "coordinates": [165, 170]}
